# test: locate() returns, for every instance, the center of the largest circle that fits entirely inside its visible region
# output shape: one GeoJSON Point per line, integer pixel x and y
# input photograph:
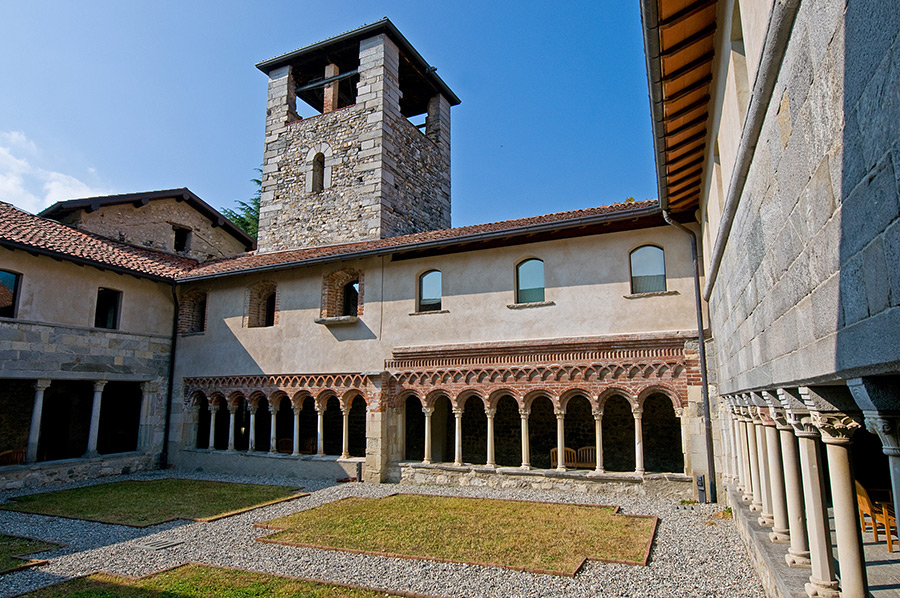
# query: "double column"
{"type": "Point", "coordinates": [94, 432]}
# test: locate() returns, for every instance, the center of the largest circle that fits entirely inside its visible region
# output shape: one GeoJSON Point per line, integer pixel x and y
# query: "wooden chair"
{"type": "Point", "coordinates": [12, 457]}
{"type": "Point", "coordinates": [285, 445]}
{"type": "Point", "coordinates": [308, 446]}
{"type": "Point", "coordinates": [881, 513]}
{"type": "Point", "coordinates": [587, 457]}
{"type": "Point", "coordinates": [569, 457]}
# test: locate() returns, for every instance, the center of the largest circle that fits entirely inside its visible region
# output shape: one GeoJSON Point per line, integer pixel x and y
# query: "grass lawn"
{"type": "Point", "coordinates": [143, 503]}
{"type": "Point", "coordinates": [11, 546]}
{"type": "Point", "coordinates": [191, 581]}
{"type": "Point", "coordinates": [545, 537]}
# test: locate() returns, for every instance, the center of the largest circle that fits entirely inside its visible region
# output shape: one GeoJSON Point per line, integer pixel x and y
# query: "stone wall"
{"type": "Point", "coordinates": [382, 176]}
{"type": "Point", "coordinates": [806, 275]}
{"type": "Point", "coordinates": [152, 225]}
{"type": "Point", "coordinates": [71, 470]}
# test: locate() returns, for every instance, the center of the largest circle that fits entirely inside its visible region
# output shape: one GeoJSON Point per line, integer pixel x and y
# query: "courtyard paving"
{"type": "Point", "coordinates": [693, 555]}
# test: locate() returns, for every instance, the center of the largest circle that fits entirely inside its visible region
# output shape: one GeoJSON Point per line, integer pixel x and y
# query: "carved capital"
{"type": "Point", "coordinates": [765, 416]}
{"type": "Point", "coordinates": [297, 408]}
{"type": "Point", "coordinates": [273, 409]}
{"type": "Point", "coordinates": [428, 411]}
{"type": "Point", "coordinates": [457, 412]}
{"type": "Point", "coordinates": [887, 427]}
{"type": "Point", "coordinates": [41, 385]}
{"type": "Point", "coordinates": [836, 428]}
{"type": "Point", "coordinates": [98, 385]}
{"type": "Point", "coordinates": [525, 413]}
{"type": "Point", "coordinates": [803, 425]}
{"type": "Point", "coordinates": [597, 413]}
{"type": "Point", "coordinates": [213, 409]}
{"type": "Point", "coordinates": [490, 412]}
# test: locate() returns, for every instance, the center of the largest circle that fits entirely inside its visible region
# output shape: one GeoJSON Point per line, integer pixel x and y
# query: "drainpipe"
{"type": "Point", "coordinates": [704, 384]}
{"type": "Point", "coordinates": [164, 455]}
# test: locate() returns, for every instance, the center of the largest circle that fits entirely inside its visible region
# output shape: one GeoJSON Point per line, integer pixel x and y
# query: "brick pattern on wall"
{"type": "Point", "coordinates": [333, 292]}
{"type": "Point", "coordinates": [192, 312]}
{"type": "Point", "coordinates": [255, 303]}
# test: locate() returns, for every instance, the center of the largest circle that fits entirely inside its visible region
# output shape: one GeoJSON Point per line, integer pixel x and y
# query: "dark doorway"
{"type": "Point", "coordinates": [120, 418]}
{"type": "Point", "coordinates": [508, 433]}
{"type": "Point", "coordinates": [309, 422]}
{"type": "Point", "coordinates": [579, 424]}
{"type": "Point", "coordinates": [334, 427]}
{"type": "Point", "coordinates": [223, 420]}
{"type": "Point", "coordinates": [442, 431]}
{"type": "Point", "coordinates": [357, 427]}
{"type": "Point", "coordinates": [203, 421]}
{"type": "Point", "coordinates": [414, 429]}
{"type": "Point", "coordinates": [618, 435]}
{"type": "Point", "coordinates": [241, 426]}
{"type": "Point", "coordinates": [263, 431]}
{"type": "Point", "coordinates": [474, 437]}
{"type": "Point", "coordinates": [541, 432]}
{"type": "Point", "coordinates": [284, 426]}
{"type": "Point", "coordinates": [66, 420]}
{"type": "Point", "coordinates": [16, 405]}
{"type": "Point", "coordinates": [661, 433]}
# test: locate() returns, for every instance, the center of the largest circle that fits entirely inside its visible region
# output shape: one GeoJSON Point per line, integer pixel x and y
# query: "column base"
{"type": "Point", "coordinates": [779, 536]}
{"type": "Point", "coordinates": [426, 462]}
{"type": "Point", "coordinates": [525, 467]}
{"type": "Point", "coordinates": [491, 465]}
{"type": "Point", "coordinates": [766, 520]}
{"type": "Point", "coordinates": [817, 589]}
{"type": "Point", "coordinates": [560, 469]}
{"type": "Point", "coordinates": [295, 454]}
{"type": "Point", "coordinates": [596, 472]}
{"type": "Point", "coordinates": [90, 455]}
{"type": "Point", "coordinates": [756, 507]}
{"type": "Point", "coordinates": [746, 497]}
{"type": "Point", "coordinates": [273, 452]}
{"type": "Point", "coordinates": [345, 455]}
{"type": "Point", "coordinates": [798, 561]}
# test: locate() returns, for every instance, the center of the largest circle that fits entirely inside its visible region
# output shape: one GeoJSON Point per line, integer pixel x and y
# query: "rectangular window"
{"type": "Point", "coordinates": [107, 314]}
{"type": "Point", "coordinates": [9, 293]}
{"type": "Point", "coordinates": [182, 238]}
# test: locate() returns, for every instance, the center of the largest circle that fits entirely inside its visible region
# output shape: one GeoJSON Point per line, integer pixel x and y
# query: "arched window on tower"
{"type": "Point", "coordinates": [530, 281]}
{"type": "Point", "coordinates": [318, 172]}
{"type": "Point", "coordinates": [648, 270]}
{"type": "Point", "coordinates": [430, 291]}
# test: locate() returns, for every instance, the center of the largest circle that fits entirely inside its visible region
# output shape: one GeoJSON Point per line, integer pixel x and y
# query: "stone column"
{"type": "Point", "coordinates": [251, 445]}
{"type": "Point", "coordinates": [756, 497]}
{"type": "Point", "coordinates": [320, 430]}
{"type": "Point", "coordinates": [746, 479]}
{"type": "Point", "coordinates": [887, 427]}
{"type": "Point", "coordinates": [457, 444]}
{"type": "Point", "coordinates": [798, 553]}
{"type": "Point", "coordinates": [737, 474]}
{"type": "Point", "coordinates": [145, 430]}
{"type": "Point", "coordinates": [560, 439]}
{"type": "Point", "coordinates": [95, 419]}
{"type": "Point", "coordinates": [822, 581]}
{"type": "Point", "coordinates": [232, 409]}
{"type": "Point", "coordinates": [213, 409]}
{"type": "Point", "coordinates": [273, 435]}
{"type": "Point", "coordinates": [296, 409]}
{"type": "Point", "coordinates": [37, 410]}
{"type": "Point", "coordinates": [428, 411]}
{"type": "Point", "coordinates": [779, 531]}
{"type": "Point", "coordinates": [345, 433]}
{"type": "Point", "coordinates": [638, 440]}
{"type": "Point", "coordinates": [598, 441]}
{"type": "Point", "coordinates": [765, 515]}
{"type": "Point", "coordinates": [490, 412]}
{"type": "Point", "coordinates": [837, 430]}
{"type": "Point", "coordinates": [526, 449]}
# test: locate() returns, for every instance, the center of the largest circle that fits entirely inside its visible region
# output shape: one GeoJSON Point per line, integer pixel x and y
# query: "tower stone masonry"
{"type": "Point", "coordinates": [359, 170]}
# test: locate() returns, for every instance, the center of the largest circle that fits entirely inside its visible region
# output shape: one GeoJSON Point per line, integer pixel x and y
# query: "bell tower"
{"type": "Point", "coordinates": [360, 169]}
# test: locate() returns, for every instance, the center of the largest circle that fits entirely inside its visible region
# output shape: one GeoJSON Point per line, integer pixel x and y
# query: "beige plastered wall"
{"type": "Point", "coordinates": [60, 292]}
{"type": "Point", "coordinates": [587, 280]}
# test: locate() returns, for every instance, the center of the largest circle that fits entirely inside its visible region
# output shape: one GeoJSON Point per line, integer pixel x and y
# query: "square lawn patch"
{"type": "Point", "coordinates": [144, 503]}
{"type": "Point", "coordinates": [542, 537]}
{"type": "Point", "coordinates": [198, 581]}
{"type": "Point", "coordinates": [13, 550]}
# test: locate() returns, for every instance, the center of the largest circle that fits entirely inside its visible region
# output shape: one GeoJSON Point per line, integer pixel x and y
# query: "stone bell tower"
{"type": "Point", "coordinates": [359, 170]}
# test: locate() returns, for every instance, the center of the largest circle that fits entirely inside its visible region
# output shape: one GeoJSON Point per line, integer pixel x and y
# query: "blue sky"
{"type": "Point", "coordinates": [121, 96]}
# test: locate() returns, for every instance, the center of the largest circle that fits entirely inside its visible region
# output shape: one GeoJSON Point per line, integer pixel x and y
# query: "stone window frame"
{"type": "Point", "coordinates": [255, 299]}
{"type": "Point", "coordinates": [330, 161]}
{"type": "Point", "coordinates": [332, 310]}
{"type": "Point", "coordinates": [631, 272]}
{"type": "Point", "coordinates": [116, 323]}
{"type": "Point", "coordinates": [439, 308]}
{"type": "Point", "coordinates": [187, 312]}
{"type": "Point", "coordinates": [16, 292]}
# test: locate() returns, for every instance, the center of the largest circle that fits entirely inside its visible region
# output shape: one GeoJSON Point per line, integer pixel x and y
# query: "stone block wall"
{"type": "Point", "coordinates": [785, 291]}
{"type": "Point", "coordinates": [383, 177]}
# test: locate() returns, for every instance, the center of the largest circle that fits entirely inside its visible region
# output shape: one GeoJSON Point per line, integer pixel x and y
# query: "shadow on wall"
{"type": "Point", "coordinates": [868, 314]}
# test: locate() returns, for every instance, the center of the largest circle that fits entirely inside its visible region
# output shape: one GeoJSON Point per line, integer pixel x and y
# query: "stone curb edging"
{"type": "Point", "coordinates": [30, 562]}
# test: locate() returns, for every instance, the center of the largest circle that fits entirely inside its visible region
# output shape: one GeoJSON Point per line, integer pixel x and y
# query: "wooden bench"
{"type": "Point", "coordinates": [586, 457]}
{"type": "Point", "coordinates": [570, 457]}
{"type": "Point", "coordinates": [881, 513]}
{"type": "Point", "coordinates": [12, 457]}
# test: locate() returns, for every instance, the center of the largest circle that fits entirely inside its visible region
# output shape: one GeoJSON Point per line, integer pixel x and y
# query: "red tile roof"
{"type": "Point", "coordinates": [253, 260]}
{"type": "Point", "coordinates": [21, 230]}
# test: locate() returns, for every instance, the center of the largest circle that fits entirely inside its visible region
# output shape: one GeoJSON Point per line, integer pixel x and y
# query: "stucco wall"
{"type": "Point", "coordinates": [587, 281]}
{"type": "Point", "coordinates": [151, 226]}
{"type": "Point", "coordinates": [61, 292]}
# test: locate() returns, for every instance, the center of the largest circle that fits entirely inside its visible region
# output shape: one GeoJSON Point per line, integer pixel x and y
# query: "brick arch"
{"type": "Point", "coordinates": [196, 397]}
{"type": "Point", "coordinates": [348, 397]}
{"type": "Point", "coordinates": [323, 397]}
{"type": "Point", "coordinates": [432, 397]}
{"type": "Point", "coordinates": [460, 400]}
{"type": "Point", "coordinates": [192, 311]}
{"type": "Point", "coordinates": [234, 397]}
{"type": "Point", "coordinates": [255, 303]}
{"type": "Point", "coordinates": [571, 393]}
{"type": "Point", "coordinates": [300, 397]}
{"type": "Point", "coordinates": [529, 398]}
{"type": "Point", "coordinates": [666, 391]}
{"type": "Point", "coordinates": [333, 292]}
{"type": "Point", "coordinates": [276, 397]}
{"type": "Point", "coordinates": [401, 398]}
{"type": "Point", "coordinates": [495, 396]}
{"type": "Point", "coordinates": [257, 398]}
{"type": "Point", "coordinates": [616, 391]}
{"type": "Point", "coordinates": [217, 398]}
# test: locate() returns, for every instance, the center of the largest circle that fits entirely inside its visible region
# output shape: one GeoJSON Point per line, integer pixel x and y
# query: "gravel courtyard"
{"type": "Point", "coordinates": [692, 556]}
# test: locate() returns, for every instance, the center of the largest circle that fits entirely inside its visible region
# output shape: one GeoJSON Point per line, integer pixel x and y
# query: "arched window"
{"type": "Point", "coordinates": [342, 295]}
{"type": "Point", "coordinates": [648, 270]}
{"type": "Point", "coordinates": [262, 305]}
{"type": "Point", "coordinates": [430, 291]}
{"type": "Point", "coordinates": [530, 281]}
{"type": "Point", "coordinates": [318, 172]}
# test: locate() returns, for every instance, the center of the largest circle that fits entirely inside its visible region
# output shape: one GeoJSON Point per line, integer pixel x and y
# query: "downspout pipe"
{"type": "Point", "coordinates": [164, 454]}
{"type": "Point", "coordinates": [704, 383]}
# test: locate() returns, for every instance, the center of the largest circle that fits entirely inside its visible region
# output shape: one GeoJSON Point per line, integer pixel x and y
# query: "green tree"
{"type": "Point", "coordinates": [246, 215]}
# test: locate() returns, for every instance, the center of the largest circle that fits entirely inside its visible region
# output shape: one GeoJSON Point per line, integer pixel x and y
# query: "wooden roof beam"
{"type": "Point", "coordinates": [701, 103]}
{"type": "Point", "coordinates": [686, 142]}
{"type": "Point", "coordinates": [689, 41]}
{"type": "Point", "coordinates": [689, 67]}
{"type": "Point", "coordinates": [700, 120]}
{"type": "Point", "coordinates": [689, 165]}
{"type": "Point", "coordinates": [685, 13]}
{"type": "Point", "coordinates": [701, 83]}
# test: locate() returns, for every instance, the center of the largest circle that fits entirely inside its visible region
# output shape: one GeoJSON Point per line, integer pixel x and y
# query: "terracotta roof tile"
{"type": "Point", "coordinates": [21, 229]}
{"type": "Point", "coordinates": [253, 260]}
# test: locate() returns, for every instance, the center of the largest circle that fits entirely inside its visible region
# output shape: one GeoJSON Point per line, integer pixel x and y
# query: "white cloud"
{"type": "Point", "coordinates": [31, 187]}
